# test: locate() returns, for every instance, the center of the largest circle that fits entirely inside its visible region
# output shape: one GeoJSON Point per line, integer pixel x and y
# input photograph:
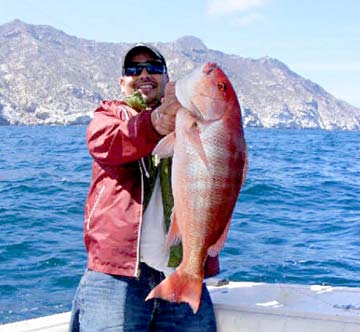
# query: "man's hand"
{"type": "Point", "coordinates": [163, 117]}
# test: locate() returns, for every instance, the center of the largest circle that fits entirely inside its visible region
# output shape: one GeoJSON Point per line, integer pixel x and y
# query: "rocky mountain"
{"type": "Point", "coordinates": [49, 77]}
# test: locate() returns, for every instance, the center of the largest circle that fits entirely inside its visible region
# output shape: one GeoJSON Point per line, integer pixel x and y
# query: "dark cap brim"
{"type": "Point", "coordinates": [139, 48]}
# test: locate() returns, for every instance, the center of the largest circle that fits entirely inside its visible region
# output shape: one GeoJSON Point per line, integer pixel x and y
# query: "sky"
{"type": "Point", "coordinates": [317, 39]}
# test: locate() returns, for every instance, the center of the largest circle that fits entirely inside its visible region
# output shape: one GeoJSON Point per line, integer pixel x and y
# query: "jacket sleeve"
{"type": "Point", "coordinates": [114, 139]}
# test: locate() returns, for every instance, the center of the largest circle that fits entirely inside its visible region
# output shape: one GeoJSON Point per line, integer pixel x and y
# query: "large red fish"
{"type": "Point", "coordinates": [209, 167]}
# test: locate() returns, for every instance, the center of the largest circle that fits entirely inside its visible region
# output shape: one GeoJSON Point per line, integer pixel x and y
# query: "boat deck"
{"type": "Point", "coordinates": [257, 307]}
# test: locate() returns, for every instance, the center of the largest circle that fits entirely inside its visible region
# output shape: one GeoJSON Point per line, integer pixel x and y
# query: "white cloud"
{"type": "Point", "coordinates": [248, 19]}
{"type": "Point", "coordinates": [220, 7]}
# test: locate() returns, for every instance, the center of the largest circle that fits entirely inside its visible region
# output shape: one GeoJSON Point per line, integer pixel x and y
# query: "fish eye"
{"type": "Point", "coordinates": [221, 86]}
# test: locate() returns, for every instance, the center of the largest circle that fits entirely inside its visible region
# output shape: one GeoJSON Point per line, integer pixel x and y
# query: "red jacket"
{"type": "Point", "coordinates": [118, 137]}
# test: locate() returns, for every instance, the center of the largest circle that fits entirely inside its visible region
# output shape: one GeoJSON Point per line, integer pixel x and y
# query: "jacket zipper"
{"type": "Point", "coordinates": [141, 163]}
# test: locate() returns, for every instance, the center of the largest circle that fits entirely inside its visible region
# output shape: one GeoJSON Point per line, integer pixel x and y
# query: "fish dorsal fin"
{"type": "Point", "coordinates": [214, 250]}
{"type": "Point", "coordinates": [165, 147]}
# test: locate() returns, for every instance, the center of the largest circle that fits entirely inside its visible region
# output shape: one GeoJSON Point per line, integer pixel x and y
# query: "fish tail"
{"type": "Point", "coordinates": [179, 287]}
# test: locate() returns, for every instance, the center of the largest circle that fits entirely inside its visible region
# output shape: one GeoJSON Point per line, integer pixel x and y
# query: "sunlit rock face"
{"type": "Point", "coordinates": [48, 77]}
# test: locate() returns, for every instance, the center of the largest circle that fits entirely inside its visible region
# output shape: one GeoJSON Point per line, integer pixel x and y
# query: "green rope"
{"type": "Point", "coordinates": [136, 101]}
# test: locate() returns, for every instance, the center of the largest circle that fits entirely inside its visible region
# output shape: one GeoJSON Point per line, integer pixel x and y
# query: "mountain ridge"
{"type": "Point", "coordinates": [49, 77]}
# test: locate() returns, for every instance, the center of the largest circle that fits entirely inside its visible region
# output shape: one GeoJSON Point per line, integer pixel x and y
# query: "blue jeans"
{"type": "Point", "coordinates": [113, 303]}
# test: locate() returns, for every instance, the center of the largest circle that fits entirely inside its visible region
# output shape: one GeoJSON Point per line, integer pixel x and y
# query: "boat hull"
{"type": "Point", "coordinates": [257, 307]}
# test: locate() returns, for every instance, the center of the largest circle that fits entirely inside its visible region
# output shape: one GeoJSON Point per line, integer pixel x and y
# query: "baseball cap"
{"type": "Point", "coordinates": [142, 47]}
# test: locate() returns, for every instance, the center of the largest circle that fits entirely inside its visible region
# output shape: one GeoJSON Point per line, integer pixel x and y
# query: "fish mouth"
{"type": "Point", "coordinates": [183, 93]}
{"type": "Point", "coordinates": [209, 67]}
{"type": "Point", "coordinates": [202, 105]}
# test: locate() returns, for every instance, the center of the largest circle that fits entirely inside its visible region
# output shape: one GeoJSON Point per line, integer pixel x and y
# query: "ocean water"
{"type": "Point", "coordinates": [297, 219]}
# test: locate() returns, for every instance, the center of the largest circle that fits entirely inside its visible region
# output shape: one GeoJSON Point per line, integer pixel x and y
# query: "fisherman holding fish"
{"type": "Point", "coordinates": [128, 213]}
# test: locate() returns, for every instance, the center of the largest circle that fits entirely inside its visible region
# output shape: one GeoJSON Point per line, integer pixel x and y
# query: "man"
{"type": "Point", "coordinates": [128, 209]}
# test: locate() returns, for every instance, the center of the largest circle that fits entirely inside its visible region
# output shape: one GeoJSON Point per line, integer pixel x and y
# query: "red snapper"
{"type": "Point", "coordinates": [208, 170]}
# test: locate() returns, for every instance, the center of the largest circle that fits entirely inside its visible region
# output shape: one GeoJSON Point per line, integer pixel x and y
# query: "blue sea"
{"type": "Point", "coordinates": [297, 219]}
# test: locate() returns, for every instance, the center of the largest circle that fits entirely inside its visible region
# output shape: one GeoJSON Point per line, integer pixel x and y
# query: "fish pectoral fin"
{"type": "Point", "coordinates": [165, 147]}
{"type": "Point", "coordinates": [174, 234]}
{"type": "Point", "coordinates": [214, 250]}
{"type": "Point", "coordinates": [194, 138]}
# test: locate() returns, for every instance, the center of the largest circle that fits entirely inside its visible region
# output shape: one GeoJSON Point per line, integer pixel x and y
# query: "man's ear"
{"type": "Point", "coordinates": [121, 83]}
{"type": "Point", "coordinates": [165, 80]}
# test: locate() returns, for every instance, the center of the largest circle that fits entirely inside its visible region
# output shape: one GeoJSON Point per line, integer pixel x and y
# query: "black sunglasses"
{"type": "Point", "coordinates": [135, 68]}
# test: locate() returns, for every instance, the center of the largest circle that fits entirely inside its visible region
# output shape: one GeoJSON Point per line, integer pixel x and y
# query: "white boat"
{"type": "Point", "coordinates": [257, 307]}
